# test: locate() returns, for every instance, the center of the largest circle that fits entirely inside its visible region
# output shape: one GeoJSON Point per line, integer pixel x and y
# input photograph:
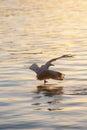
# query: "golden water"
{"type": "Point", "coordinates": [34, 31]}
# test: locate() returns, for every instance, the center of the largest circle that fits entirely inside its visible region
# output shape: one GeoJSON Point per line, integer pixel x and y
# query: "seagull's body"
{"type": "Point", "coordinates": [44, 73]}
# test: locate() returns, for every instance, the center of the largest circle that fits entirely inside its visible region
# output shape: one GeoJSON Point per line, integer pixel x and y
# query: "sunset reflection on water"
{"type": "Point", "coordinates": [35, 32]}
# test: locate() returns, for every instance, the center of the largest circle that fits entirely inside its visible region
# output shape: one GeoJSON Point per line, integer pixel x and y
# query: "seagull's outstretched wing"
{"type": "Point", "coordinates": [48, 63]}
{"type": "Point", "coordinates": [54, 59]}
{"type": "Point", "coordinates": [63, 56]}
{"type": "Point", "coordinates": [35, 68]}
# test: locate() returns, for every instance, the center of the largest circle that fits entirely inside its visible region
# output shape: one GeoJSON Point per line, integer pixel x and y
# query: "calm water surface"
{"type": "Point", "coordinates": [34, 32]}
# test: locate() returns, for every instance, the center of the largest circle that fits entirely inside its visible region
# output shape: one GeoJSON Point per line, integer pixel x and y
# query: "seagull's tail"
{"type": "Point", "coordinates": [60, 76]}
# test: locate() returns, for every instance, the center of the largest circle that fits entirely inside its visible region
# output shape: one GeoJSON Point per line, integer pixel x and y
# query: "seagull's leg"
{"type": "Point", "coordinates": [45, 81]}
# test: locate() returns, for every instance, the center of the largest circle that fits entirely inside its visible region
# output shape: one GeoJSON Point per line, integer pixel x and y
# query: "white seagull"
{"type": "Point", "coordinates": [44, 73]}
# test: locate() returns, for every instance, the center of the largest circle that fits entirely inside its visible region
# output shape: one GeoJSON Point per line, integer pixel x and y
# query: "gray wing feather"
{"type": "Point", "coordinates": [52, 60]}
{"type": "Point", "coordinates": [35, 68]}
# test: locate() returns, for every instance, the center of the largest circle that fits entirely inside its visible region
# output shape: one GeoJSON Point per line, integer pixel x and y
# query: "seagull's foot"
{"type": "Point", "coordinates": [45, 81]}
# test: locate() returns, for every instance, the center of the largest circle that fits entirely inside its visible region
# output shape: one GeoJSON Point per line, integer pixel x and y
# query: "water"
{"type": "Point", "coordinates": [34, 32]}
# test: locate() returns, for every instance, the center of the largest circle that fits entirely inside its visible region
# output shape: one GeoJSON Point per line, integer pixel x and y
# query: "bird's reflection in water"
{"type": "Point", "coordinates": [49, 90]}
{"type": "Point", "coordinates": [53, 102]}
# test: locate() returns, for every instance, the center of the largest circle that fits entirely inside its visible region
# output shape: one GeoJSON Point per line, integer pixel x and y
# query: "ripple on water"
{"type": "Point", "coordinates": [27, 38]}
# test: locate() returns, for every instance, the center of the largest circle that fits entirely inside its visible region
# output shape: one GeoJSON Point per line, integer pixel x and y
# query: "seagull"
{"type": "Point", "coordinates": [44, 73]}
